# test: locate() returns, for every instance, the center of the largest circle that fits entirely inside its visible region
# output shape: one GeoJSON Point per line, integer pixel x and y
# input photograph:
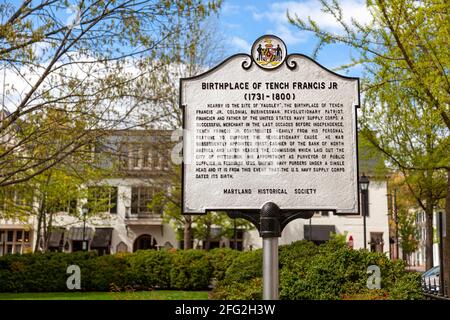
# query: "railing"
{"type": "Point", "coordinates": [432, 291]}
{"type": "Point", "coordinates": [141, 217]}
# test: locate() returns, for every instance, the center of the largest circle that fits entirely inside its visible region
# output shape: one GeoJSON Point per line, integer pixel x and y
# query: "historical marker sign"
{"type": "Point", "coordinates": [270, 127]}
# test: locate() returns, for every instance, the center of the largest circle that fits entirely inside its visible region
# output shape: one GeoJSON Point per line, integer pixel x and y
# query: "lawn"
{"type": "Point", "coordinates": [137, 295]}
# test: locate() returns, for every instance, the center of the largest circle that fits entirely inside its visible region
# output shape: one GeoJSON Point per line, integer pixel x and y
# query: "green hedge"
{"type": "Point", "coordinates": [191, 270]}
{"type": "Point", "coordinates": [150, 268]}
{"type": "Point", "coordinates": [220, 260]}
{"type": "Point", "coordinates": [187, 270]}
{"type": "Point", "coordinates": [47, 272]}
{"type": "Point", "coordinates": [330, 271]}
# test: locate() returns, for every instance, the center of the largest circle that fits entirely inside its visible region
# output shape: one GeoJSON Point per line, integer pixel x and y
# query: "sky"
{"type": "Point", "coordinates": [244, 21]}
{"type": "Point", "coordinates": [241, 22]}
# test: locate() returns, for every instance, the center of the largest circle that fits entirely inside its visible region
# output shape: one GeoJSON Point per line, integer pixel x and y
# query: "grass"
{"type": "Point", "coordinates": [137, 295]}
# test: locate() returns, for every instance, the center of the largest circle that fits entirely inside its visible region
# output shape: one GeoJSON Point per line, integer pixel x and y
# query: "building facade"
{"type": "Point", "coordinates": [418, 258]}
{"type": "Point", "coordinates": [128, 224]}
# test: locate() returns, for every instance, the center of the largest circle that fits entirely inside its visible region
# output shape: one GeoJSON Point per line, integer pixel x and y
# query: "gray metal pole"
{"type": "Point", "coordinates": [396, 225]}
{"type": "Point", "coordinates": [364, 196]}
{"type": "Point", "coordinates": [270, 268]}
{"type": "Point", "coordinates": [441, 255]}
{"type": "Point", "coordinates": [270, 231]}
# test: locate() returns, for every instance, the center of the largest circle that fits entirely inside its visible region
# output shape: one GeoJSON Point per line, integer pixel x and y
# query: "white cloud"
{"type": "Point", "coordinates": [355, 9]}
{"type": "Point", "coordinates": [240, 44]}
{"type": "Point", "coordinates": [229, 9]}
{"type": "Point", "coordinates": [288, 34]}
{"type": "Point", "coordinates": [276, 15]}
{"type": "Point", "coordinates": [228, 25]}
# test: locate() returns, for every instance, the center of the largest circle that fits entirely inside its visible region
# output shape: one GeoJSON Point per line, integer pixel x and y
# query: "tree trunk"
{"type": "Point", "coordinates": [47, 232]}
{"type": "Point", "coordinates": [39, 226]}
{"type": "Point", "coordinates": [38, 232]}
{"type": "Point", "coordinates": [187, 232]}
{"type": "Point", "coordinates": [446, 242]}
{"type": "Point", "coordinates": [44, 231]}
{"type": "Point", "coordinates": [207, 237]}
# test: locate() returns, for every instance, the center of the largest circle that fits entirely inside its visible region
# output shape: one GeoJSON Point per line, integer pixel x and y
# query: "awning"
{"type": "Point", "coordinates": [318, 232]}
{"type": "Point", "coordinates": [76, 233]}
{"type": "Point", "coordinates": [102, 238]}
{"type": "Point", "coordinates": [55, 238]}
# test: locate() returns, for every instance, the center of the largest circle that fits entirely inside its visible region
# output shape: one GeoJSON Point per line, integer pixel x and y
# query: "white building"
{"type": "Point", "coordinates": [418, 257]}
{"type": "Point", "coordinates": [128, 226]}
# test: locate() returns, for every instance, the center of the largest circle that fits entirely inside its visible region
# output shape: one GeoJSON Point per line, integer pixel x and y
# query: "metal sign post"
{"type": "Point", "coordinates": [270, 232]}
{"type": "Point", "coordinates": [441, 253]}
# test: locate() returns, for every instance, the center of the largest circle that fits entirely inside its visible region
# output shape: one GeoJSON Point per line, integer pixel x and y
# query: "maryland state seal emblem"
{"type": "Point", "coordinates": [269, 52]}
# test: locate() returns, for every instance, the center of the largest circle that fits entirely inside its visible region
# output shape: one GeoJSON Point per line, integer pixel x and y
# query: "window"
{"type": "Point", "coordinates": [140, 199]}
{"type": "Point", "coordinates": [10, 198]}
{"type": "Point", "coordinates": [14, 241]}
{"type": "Point", "coordinates": [113, 200]}
{"type": "Point", "coordinates": [239, 240]}
{"type": "Point", "coordinates": [134, 157]}
{"type": "Point", "coordinates": [102, 199]}
{"type": "Point", "coordinates": [6, 198]}
{"type": "Point", "coordinates": [123, 156]}
{"type": "Point", "coordinates": [65, 205]}
{"type": "Point", "coordinates": [19, 236]}
{"type": "Point", "coordinates": [165, 161]}
{"type": "Point", "coordinates": [155, 160]}
{"type": "Point", "coordinates": [23, 198]}
{"type": "Point", "coordinates": [376, 241]}
{"type": "Point", "coordinates": [147, 157]}
{"type": "Point", "coordinates": [10, 237]}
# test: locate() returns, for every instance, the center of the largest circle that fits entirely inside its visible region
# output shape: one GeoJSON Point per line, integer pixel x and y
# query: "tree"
{"type": "Point", "coordinates": [404, 54]}
{"type": "Point", "coordinates": [198, 51]}
{"type": "Point", "coordinates": [168, 201]}
{"type": "Point", "coordinates": [64, 186]}
{"type": "Point", "coordinates": [97, 64]}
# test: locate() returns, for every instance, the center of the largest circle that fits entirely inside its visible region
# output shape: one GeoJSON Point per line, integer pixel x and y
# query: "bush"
{"type": "Point", "coordinates": [220, 260]}
{"type": "Point", "coordinates": [330, 271]}
{"type": "Point", "coordinates": [150, 268]}
{"type": "Point", "coordinates": [46, 272]}
{"type": "Point", "coordinates": [249, 290]}
{"type": "Point", "coordinates": [297, 255]}
{"type": "Point", "coordinates": [191, 270]}
{"type": "Point", "coordinates": [407, 287]}
{"type": "Point", "coordinates": [337, 272]}
{"type": "Point", "coordinates": [247, 266]}
{"type": "Point", "coordinates": [105, 271]}
{"type": "Point", "coordinates": [41, 272]}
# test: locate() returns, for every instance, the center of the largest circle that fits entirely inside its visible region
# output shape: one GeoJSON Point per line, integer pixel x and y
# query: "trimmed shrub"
{"type": "Point", "coordinates": [220, 260]}
{"type": "Point", "coordinates": [42, 272]}
{"type": "Point", "coordinates": [104, 272]}
{"type": "Point", "coordinates": [337, 272]}
{"type": "Point", "coordinates": [46, 272]}
{"type": "Point", "coordinates": [191, 270]}
{"type": "Point", "coordinates": [330, 271]}
{"type": "Point", "coordinates": [249, 290]}
{"type": "Point", "coordinates": [247, 266]}
{"type": "Point", "coordinates": [150, 268]}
